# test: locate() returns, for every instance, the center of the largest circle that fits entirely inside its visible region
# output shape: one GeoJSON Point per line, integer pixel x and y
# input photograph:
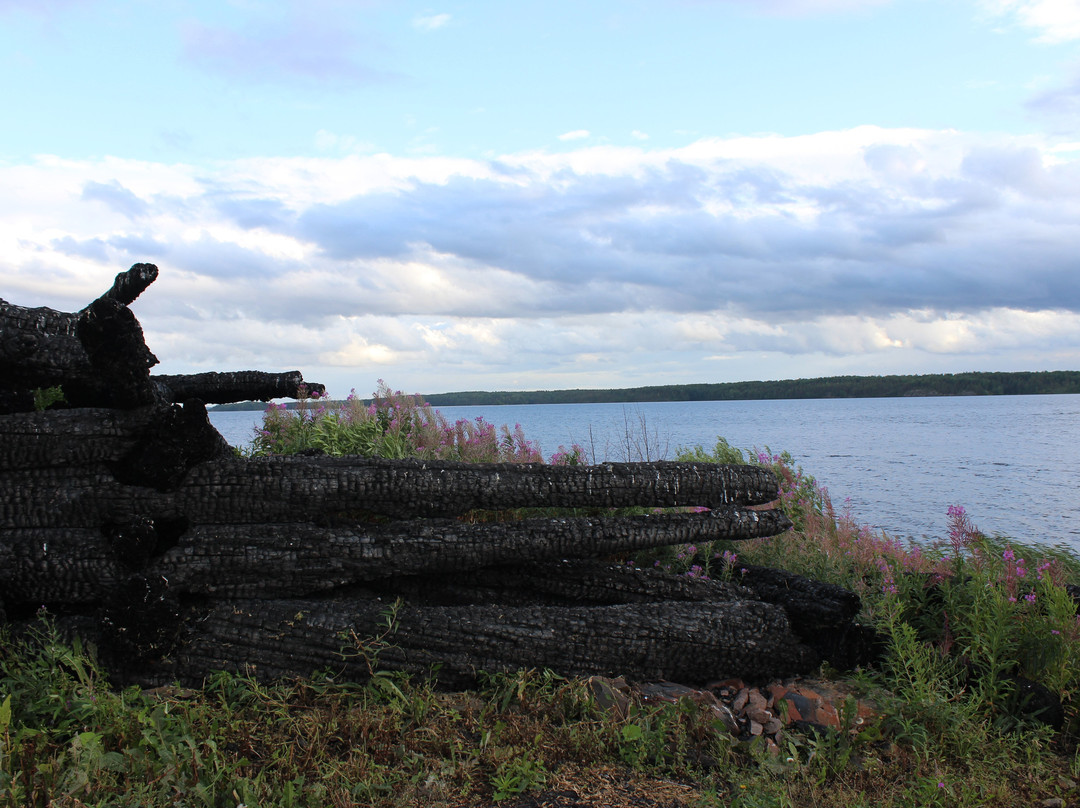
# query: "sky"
{"type": "Point", "coordinates": [477, 195]}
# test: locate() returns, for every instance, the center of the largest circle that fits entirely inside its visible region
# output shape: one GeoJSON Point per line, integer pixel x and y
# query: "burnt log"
{"type": "Point", "coordinates": [243, 385]}
{"type": "Point", "coordinates": [97, 356]}
{"type": "Point", "coordinates": [274, 560]}
{"type": "Point", "coordinates": [65, 565]}
{"type": "Point", "coordinates": [308, 489]}
{"type": "Point", "coordinates": [675, 640]}
{"type": "Point", "coordinates": [822, 614]}
{"type": "Point", "coordinates": [559, 583]}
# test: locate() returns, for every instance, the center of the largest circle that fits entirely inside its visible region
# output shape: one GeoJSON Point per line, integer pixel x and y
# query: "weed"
{"type": "Point", "coordinates": [45, 397]}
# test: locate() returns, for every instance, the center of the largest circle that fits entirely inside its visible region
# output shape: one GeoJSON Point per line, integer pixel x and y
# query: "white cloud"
{"type": "Point", "coordinates": [1054, 20]}
{"type": "Point", "coordinates": [598, 266]}
{"type": "Point", "coordinates": [576, 134]}
{"type": "Point", "coordinates": [638, 135]}
{"type": "Point", "coordinates": [431, 22]}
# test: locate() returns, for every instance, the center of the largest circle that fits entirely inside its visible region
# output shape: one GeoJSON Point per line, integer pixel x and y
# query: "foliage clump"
{"type": "Point", "coordinates": [395, 425]}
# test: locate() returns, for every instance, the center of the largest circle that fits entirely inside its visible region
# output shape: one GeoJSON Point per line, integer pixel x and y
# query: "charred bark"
{"type": "Point", "coordinates": [97, 356]}
{"type": "Point", "coordinates": [822, 614]}
{"type": "Point", "coordinates": [308, 489]}
{"type": "Point", "coordinates": [674, 640]}
{"type": "Point", "coordinates": [244, 385]}
{"type": "Point", "coordinates": [813, 606]}
{"type": "Point", "coordinates": [129, 285]}
{"type": "Point", "coordinates": [63, 565]}
{"type": "Point", "coordinates": [563, 583]}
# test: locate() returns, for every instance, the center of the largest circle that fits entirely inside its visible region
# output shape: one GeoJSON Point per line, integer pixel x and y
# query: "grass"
{"type": "Point", "coordinates": [961, 619]}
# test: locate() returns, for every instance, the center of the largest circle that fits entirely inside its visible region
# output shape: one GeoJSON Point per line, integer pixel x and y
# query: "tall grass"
{"type": "Point", "coordinates": [395, 425]}
{"type": "Point", "coordinates": [962, 616]}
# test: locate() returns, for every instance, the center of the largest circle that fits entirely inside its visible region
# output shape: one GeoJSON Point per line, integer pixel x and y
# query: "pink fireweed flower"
{"type": "Point", "coordinates": [961, 531]}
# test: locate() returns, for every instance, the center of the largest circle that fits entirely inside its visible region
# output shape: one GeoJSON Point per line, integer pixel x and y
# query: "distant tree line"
{"type": "Point", "coordinates": [933, 384]}
{"type": "Point", "coordinates": [938, 384]}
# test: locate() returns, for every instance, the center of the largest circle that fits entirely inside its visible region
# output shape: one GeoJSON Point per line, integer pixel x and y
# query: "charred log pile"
{"type": "Point", "coordinates": [127, 515]}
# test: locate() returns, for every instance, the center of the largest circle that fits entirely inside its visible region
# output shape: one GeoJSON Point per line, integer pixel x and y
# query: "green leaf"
{"type": "Point", "coordinates": [5, 714]}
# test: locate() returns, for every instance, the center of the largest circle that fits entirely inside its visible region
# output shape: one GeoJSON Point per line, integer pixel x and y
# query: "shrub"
{"type": "Point", "coordinates": [395, 425]}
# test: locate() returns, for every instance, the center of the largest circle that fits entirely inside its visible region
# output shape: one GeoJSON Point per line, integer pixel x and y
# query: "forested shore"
{"type": "Point", "coordinates": [936, 384]}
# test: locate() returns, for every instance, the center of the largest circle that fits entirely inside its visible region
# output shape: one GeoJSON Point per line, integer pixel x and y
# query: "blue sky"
{"type": "Point", "coordinates": [480, 195]}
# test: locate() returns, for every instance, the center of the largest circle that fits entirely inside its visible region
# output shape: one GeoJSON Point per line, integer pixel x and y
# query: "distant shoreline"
{"type": "Point", "coordinates": [937, 384]}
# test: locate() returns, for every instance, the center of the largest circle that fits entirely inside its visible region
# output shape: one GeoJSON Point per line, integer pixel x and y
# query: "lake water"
{"type": "Point", "coordinates": [1012, 461]}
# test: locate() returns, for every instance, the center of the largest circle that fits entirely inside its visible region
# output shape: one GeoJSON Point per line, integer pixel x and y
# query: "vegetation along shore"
{"type": "Point", "coordinates": [972, 699]}
{"type": "Point", "coordinates": [937, 384]}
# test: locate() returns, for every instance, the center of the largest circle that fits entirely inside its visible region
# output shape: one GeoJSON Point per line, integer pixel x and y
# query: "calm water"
{"type": "Point", "coordinates": [1012, 461]}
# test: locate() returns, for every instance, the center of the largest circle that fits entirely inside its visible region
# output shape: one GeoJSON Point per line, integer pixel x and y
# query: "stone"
{"type": "Point", "coordinates": [611, 694]}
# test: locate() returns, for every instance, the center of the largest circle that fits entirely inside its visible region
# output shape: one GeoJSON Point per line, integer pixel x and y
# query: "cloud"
{"type": "Point", "coordinates": [117, 197]}
{"type": "Point", "coordinates": [1054, 20]}
{"type": "Point", "coordinates": [598, 265]}
{"type": "Point", "coordinates": [1060, 105]}
{"type": "Point", "coordinates": [95, 249]}
{"type": "Point", "coordinates": [431, 22]}
{"type": "Point", "coordinates": [576, 134]}
{"type": "Point", "coordinates": [306, 48]}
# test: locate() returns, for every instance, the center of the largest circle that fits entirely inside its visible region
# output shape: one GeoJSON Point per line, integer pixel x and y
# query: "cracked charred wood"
{"type": "Point", "coordinates": [149, 446]}
{"type": "Point", "coordinates": [58, 567]}
{"type": "Point", "coordinates": [180, 439]}
{"type": "Point", "coordinates": [567, 582]}
{"type": "Point", "coordinates": [308, 489]}
{"type": "Point", "coordinates": [127, 286]}
{"type": "Point", "coordinates": [675, 640]}
{"type": "Point", "coordinates": [275, 560]}
{"type": "Point", "coordinates": [63, 565]}
{"type": "Point", "coordinates": [97, 356]}
{"type": "Point", "coordinates": [831, 632]}
{"type": "Point", "coordinates": [244, 385]}
{"type": "Point", "coordinates": [811, 605]}
{"type": "Point", "coordinates": [822, 614]}
{"type": "Point", "coordinates": [75, 437]}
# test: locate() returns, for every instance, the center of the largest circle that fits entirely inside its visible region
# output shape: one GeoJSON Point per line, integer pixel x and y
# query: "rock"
{"type": "Point", "coordinates": [1036, 702]}
{"type": "Point", "coordinates": [611, 694]}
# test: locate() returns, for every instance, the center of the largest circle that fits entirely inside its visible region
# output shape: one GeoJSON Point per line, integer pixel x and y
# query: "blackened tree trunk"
{"type": "Point", "coordinates": [673, 640]}
{"type": "Point", "coordinates": [309, 489]}
{"type": "Point", "coordinates": [243, 385]}
{"type": "Point", "coordinates": [97, 356]}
